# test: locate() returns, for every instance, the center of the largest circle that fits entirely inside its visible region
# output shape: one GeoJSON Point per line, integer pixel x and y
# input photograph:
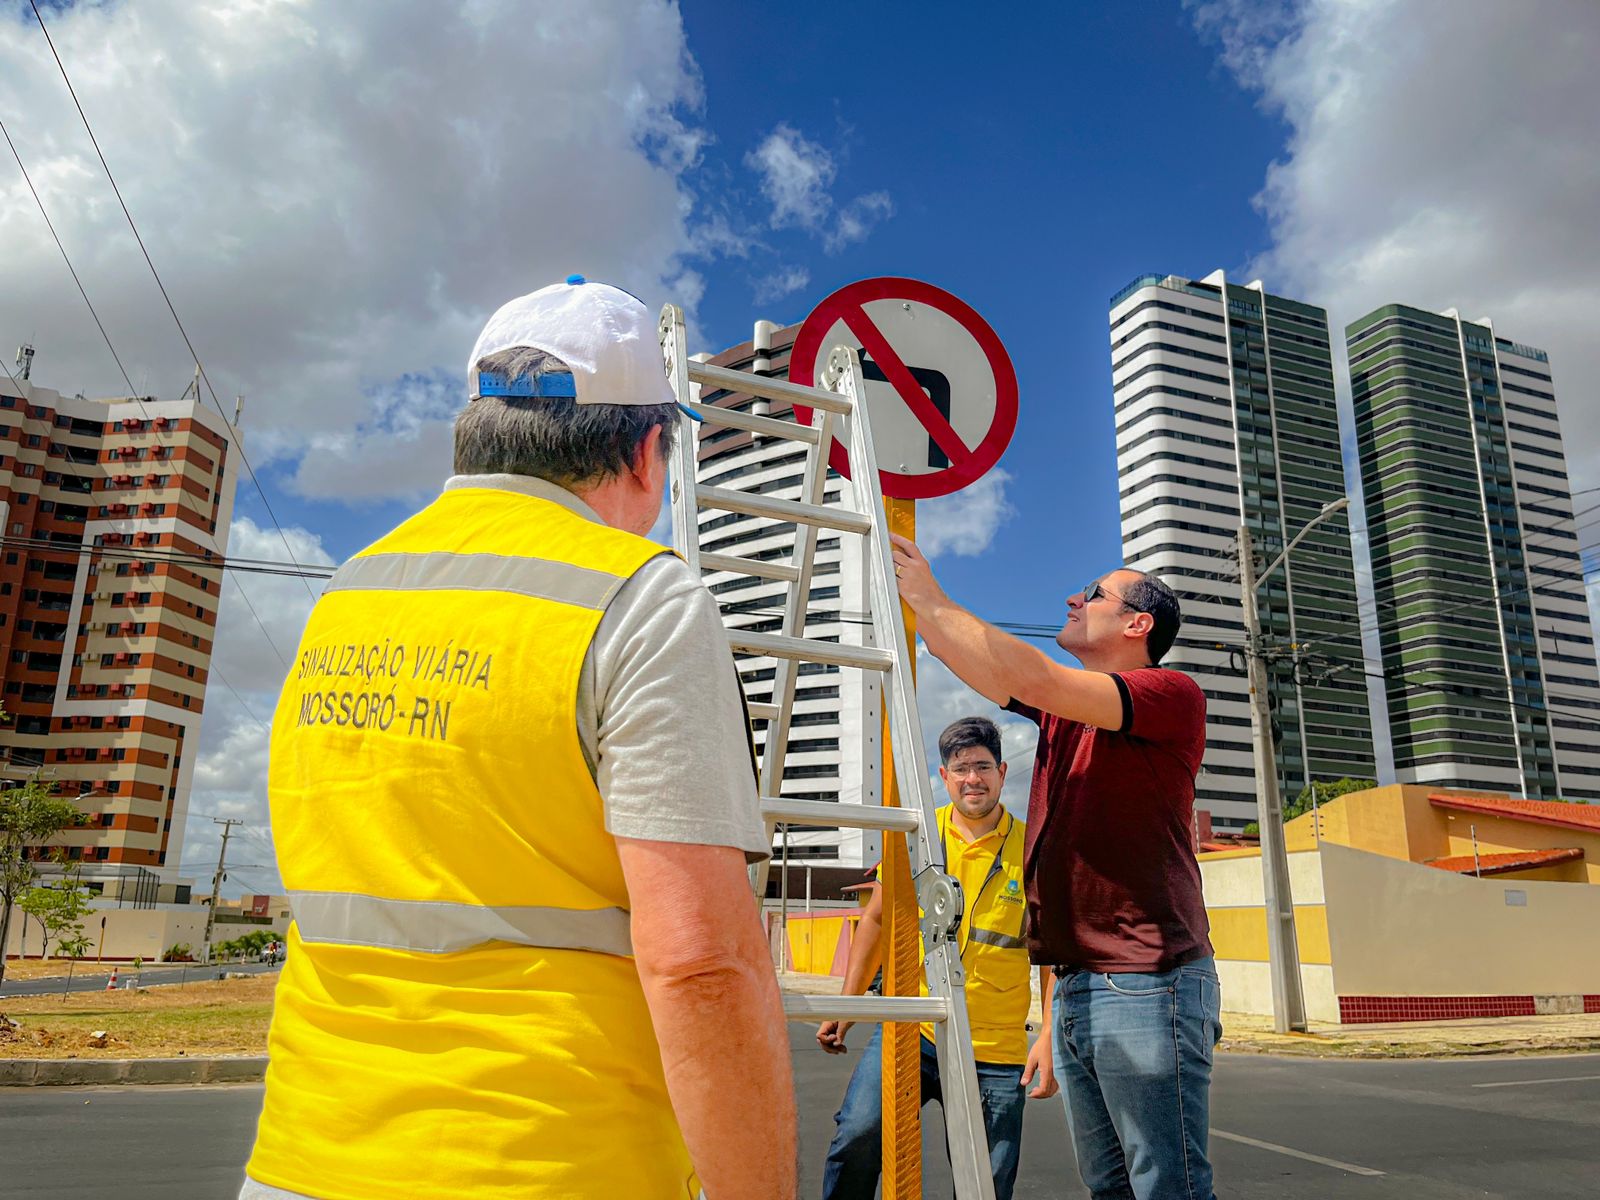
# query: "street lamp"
{"type": "Point", "coordinates": [1283, 953]}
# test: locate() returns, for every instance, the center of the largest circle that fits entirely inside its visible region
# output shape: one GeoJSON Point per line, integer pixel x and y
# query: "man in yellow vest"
{"type": "Point", "coordinates": [983, 850]}
{"type": "Point", "coordinates": [513, 803]}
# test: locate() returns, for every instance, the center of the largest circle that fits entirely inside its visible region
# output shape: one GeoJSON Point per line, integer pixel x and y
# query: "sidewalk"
{"type": "Point", "coordinates": [1246, 1033]}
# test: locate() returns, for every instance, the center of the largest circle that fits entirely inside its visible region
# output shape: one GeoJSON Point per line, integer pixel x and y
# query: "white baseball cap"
{"type": "Point", "coordinates": [603, 334]}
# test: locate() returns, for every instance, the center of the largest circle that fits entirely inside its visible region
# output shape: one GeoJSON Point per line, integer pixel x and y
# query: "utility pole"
{"type": "Point", "coordinates": [1283, 951]}
{"type": "Point", "coordinates": [216, 881]}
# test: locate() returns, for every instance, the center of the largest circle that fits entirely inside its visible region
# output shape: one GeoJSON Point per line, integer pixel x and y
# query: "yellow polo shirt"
{"type": "Point", "coordinates": [993, 949]}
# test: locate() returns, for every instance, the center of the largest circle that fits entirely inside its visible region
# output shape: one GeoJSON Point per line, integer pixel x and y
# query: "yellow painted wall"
{"type": "Point", "coordinates": [814, 940]}
{"type": "Point", "coordinates": [1241, 933]}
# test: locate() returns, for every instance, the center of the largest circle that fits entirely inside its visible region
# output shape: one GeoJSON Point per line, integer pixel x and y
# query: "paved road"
{"type": "Point", "coordinates": [153, 976]}
{"type": "Point", "coordinates": [1286, 1129]}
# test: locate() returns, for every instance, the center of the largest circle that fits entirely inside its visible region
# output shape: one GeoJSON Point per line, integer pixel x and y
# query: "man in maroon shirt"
{"type": "Point", "coordinates": [1113, 888]}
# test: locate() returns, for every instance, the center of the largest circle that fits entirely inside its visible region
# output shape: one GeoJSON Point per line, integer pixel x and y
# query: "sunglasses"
{"type": "Point", "coordinates": [1097, 589]}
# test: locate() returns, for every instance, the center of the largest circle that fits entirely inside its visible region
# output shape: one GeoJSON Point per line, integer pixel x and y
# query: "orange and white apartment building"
{"type": "Point", "coordinates": [114, 518]}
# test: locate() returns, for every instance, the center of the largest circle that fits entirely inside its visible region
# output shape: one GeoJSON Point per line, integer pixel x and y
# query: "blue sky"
{"type": "Point", "coordinates": [338, 195]}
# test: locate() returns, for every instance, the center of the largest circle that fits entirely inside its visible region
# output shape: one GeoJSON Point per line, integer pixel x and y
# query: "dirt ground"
{"type": "Point", "coordinates": [217, 1017]}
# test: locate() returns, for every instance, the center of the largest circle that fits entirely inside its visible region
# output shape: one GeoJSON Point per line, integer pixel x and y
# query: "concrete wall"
{"type": "Point", "coordinates": [1235, 904]}
{"type": "Point", "coordinates": [129, 932]}
{"type": "Point", "coordinates": [1400, 929]}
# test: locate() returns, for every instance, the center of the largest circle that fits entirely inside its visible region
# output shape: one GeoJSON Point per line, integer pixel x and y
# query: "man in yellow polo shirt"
{"type": "Point", "coordinates": [983, 850]}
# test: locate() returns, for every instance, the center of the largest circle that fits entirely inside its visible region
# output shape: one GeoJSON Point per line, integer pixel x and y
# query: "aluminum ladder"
{"type": "Point", "coordinates": [838, 406]}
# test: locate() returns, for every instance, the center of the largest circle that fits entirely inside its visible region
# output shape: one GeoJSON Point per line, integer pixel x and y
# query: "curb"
{"type": "Point", "coordinates": [1331, 1047]}
{"type": "Point", "coordinates": [76, 1072]}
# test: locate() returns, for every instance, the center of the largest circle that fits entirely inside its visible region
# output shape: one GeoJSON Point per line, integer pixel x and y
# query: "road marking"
{"type": "Point", "coordinates": [1535, 1082]}
{"type": "Point", "coordinates": [1277, 1149]}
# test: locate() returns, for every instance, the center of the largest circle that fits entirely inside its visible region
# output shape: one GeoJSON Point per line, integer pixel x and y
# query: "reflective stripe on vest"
{"type": "Point", "coordinates": [441, 927]}
{"type": "Point", "coordinates": [541, 578]}
{"type": "Point", "coordinates": [990, 937]}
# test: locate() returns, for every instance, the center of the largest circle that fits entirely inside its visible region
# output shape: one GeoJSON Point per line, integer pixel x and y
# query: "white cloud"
{"type": "Point", "coordinates": [337, 195]}
{"type": "Point", "coordinates": [784, 282]}
{"type": "Point", "coordinates": [857, 219]}
{"type": "Point", "coordinates": [247, 671]}
{"type": "Point", "coordinates": [1440, 155]}
{"type": "Point", "coordinates": [965, 523]}
{"type": "Point", "coordinates": [797, 176]}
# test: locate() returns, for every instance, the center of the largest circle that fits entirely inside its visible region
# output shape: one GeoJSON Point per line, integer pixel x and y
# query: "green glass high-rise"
{"type": "Point", "coordinates": [1483, 626]}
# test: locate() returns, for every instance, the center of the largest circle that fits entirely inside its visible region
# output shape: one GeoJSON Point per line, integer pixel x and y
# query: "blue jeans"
{"type": "Point", "coordinates": [856, 1157]}
{"type": "Point", "coordinates": [1133, 1058]}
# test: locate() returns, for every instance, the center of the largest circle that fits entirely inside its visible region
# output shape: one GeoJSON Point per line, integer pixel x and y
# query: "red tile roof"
{"type": "Point", "coordinates": [1541, 812]}
{"type": "Point", "coordinates": [1499, 864]}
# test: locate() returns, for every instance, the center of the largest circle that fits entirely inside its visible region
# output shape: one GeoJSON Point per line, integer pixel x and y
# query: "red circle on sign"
{"type": "Point", "coordinates": [846, 305]}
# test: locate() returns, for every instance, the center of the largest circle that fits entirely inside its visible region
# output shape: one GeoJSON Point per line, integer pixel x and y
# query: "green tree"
{"type": "Point", "coordinates": [59, 906]}
{"type": "Point", "coordinates": [30, 815]}
{"type": "Point", "coordinates": [1324, 792]}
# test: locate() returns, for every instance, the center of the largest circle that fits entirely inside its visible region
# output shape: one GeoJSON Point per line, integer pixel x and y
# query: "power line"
{"type": "Point", "coordinates": [119, 554]}
{"type": "Point", "coordinates": [238, 442]}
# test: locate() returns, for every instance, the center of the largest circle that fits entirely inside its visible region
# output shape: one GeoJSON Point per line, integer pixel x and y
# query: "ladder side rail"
{"type": "Point", "coordinates": [796, 607]}
{"type": "Point", "coordinates": [958, 1070]}
{"type": "Point", "coordinates": [797, 603]}
{"type": "Point", "coordinates": [843, 371]}
{"type": "Point", "coordinates": [685, 509]}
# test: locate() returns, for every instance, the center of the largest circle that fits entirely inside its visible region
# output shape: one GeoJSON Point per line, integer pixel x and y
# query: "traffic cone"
{"type": "Point", "coordinates": [111, 984]}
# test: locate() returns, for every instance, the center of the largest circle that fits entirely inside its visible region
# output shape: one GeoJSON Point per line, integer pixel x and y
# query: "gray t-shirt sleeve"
{"type": "Point", "coordinates": [661, 719]}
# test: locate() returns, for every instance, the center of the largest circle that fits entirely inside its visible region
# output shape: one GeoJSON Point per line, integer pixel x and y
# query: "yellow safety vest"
{"type": "Point", "coordinates": [993, 949]}
{"type": "Point", "coordinates": [459, 1014]}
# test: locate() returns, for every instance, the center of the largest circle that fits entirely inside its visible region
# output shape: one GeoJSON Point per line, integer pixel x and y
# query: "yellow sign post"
{"type": "Point", "coordinates": [902, 957]}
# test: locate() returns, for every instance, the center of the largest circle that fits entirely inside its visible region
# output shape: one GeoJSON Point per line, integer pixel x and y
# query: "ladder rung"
{"type": "Point", "coordinates": [834, 814]}
{"type": "Point", "coordinates": [867, 658]}
{"type": "Point", "coordinates": [727, 380]}
{"type": "Point", "coordinates": [762, 712]}
{"type": "Point", "coordinates": [756, 505]}
{"type": "Point", "coordinates": [769, 426]}
{"type": "Point", "coordinates": [798, 1007]}
{"type": "Point", "coordinates": [733, 564]}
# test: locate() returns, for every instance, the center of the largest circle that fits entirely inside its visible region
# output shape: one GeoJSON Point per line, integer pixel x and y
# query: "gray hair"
{"type": "Point", "coordinates": [554, 438]}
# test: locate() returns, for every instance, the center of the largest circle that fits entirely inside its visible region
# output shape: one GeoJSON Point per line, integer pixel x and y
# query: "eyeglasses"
{"type": "Point", "coordinates": [960, 770]}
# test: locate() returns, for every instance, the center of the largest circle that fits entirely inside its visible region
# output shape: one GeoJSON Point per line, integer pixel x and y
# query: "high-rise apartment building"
{"type": "Point", "coordinates": [837, 711]}
{"type": "Point", "coordinates": [1225, 412]}
{"type": "Point", "coordinates": [114, 515]}
{"type": "Point", "coordinates": [1487, 645]}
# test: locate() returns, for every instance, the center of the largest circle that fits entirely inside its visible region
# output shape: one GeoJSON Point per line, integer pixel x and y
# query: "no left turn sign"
{"type": "Point", "coordinates": [941, 390]}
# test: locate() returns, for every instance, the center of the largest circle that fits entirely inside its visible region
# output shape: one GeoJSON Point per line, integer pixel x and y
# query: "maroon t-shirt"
{"type": "Point", "coordinates": [1112, 880]}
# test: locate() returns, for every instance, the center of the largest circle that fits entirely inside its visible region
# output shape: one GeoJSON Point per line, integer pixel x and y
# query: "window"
{"type": "Point", "coordinates": [34, 439]}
